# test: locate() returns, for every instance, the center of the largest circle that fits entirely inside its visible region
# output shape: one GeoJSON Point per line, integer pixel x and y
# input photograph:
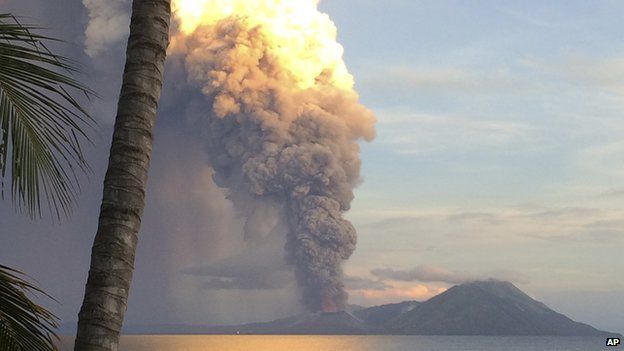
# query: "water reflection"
{"type": "Point", "coordinates": [348, 343]}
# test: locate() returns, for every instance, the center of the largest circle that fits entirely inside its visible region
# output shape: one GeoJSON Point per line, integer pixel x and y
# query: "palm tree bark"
{"type": "Point", "coordinates": [112, 257]}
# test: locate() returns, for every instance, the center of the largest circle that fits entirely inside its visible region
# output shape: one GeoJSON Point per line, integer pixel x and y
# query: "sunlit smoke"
{"type": "Point", "coordinates": [303, 38]}
{"type": "Point", "coordinates": [281, 125]}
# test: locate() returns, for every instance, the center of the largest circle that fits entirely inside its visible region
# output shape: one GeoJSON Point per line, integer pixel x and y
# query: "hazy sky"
{"type": "Point", "coordinates": [500, 153]}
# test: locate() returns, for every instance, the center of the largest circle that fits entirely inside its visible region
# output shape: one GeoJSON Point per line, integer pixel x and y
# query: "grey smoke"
{"type": "Point", "coordinates": [258, 267]}
{"type": "Point", "coordinates": [273, 281]}
{"type": "Point", "coordinates": [271, 143]}
{"type": "Point", "coordinates": [109, 22]}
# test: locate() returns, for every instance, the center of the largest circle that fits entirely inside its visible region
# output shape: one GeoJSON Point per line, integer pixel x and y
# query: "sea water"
{"type": "Point", "coordinates": [352, 343]}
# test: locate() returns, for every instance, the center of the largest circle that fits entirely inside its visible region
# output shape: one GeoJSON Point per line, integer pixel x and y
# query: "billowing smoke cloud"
{"type": "Point", "coordinates": [281, 127]}
{"type": "Point", "coordinates": [109, 22]}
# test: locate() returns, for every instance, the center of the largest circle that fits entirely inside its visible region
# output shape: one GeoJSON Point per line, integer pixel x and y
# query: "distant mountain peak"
{"type": "Point", "coordinates": [490, 307]}
{"type": "Point", "coordinates": [492, 284]}
{"type": "Point", "coordinates": [498, 288]}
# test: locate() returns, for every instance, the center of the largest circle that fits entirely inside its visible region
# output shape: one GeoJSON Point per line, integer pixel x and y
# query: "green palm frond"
{"type": "Point", "coordinates": [41, 124]}
{"type": "Point", "coordinates": [24, 325]}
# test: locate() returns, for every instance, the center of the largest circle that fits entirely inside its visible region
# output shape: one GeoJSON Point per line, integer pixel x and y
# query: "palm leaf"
{"type": "Point", "coordinates": [41, 124]}
{"type": "Point", "coordinates": [24, 325]}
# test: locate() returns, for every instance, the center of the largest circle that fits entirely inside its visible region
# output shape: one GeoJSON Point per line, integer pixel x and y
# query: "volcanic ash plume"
{"type": "Point", "coordinates": [281, 124]}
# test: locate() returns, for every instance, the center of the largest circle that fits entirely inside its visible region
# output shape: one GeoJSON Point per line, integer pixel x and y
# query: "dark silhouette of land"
{"type": "Point", "coordinates": [477, 308]}
{"type": "Point", "coordinates": [490, 307]}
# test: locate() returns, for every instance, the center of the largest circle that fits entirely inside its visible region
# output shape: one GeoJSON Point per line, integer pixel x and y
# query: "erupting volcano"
{"type": "Point", "coordinates": [281, 126]}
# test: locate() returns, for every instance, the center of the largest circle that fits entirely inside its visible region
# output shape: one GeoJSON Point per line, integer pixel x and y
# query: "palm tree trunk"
{"type": "Point", "coordinates": [112, 257]}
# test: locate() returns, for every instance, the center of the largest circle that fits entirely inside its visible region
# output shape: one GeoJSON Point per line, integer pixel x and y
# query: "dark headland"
{"type": "Point", "coordinates": [477, 308]}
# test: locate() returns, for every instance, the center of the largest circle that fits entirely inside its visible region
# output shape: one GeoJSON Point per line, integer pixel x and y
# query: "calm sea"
{"type": "Point", "coordinates": [353, 343]}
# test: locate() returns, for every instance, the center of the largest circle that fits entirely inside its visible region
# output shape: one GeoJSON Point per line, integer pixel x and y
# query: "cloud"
{"type": "Point", "coordinates": [421, 283]}
{"type": "Point", "coordinates": [361, 283]}
{"type": "Point", "coordinates": [565, 213]}
{"type": "Point", "coordinates": [606, 73]}
{"type": "Point", "coordinates": [441, 79]}
{"type": "Point", "coordinates": [424, 273]}
{"type": "Point", "coordinates": [524, 245]}
{"type": "Point", "coordinates": [506, 226]}
{"type": "Point", "coordinates": [264, 281]}
{"type": "Point", "coordinates": [604, 159]}
{"type": "Point", "coordinates": [611, 193]}
{"type": "Point", "coordinates": [581, 70]}
{"type": "Point", "coordinates": [526, 18]}
{"type": "Point", "coordinates": [575, 94]}
{"type": "Point", "coordinates": [418, 133]}
{"type": "Point", "coordinates": [255, 268]}
{"type": "Point", "coordinates": [430, 274]}
{"type": "Point", "coordinates": [109, 23]}
{"type": "Point", "coordinates": [484, 217]}
{"type": "Point", "coordinates": [419, 292]}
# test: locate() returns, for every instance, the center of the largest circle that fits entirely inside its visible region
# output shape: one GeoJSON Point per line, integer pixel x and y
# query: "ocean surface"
{"type": "Point", "coordinates": [352, 343]}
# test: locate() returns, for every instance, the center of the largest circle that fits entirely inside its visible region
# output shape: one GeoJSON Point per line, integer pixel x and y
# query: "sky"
{"type": "Point", "coordinates": [499, 154]}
